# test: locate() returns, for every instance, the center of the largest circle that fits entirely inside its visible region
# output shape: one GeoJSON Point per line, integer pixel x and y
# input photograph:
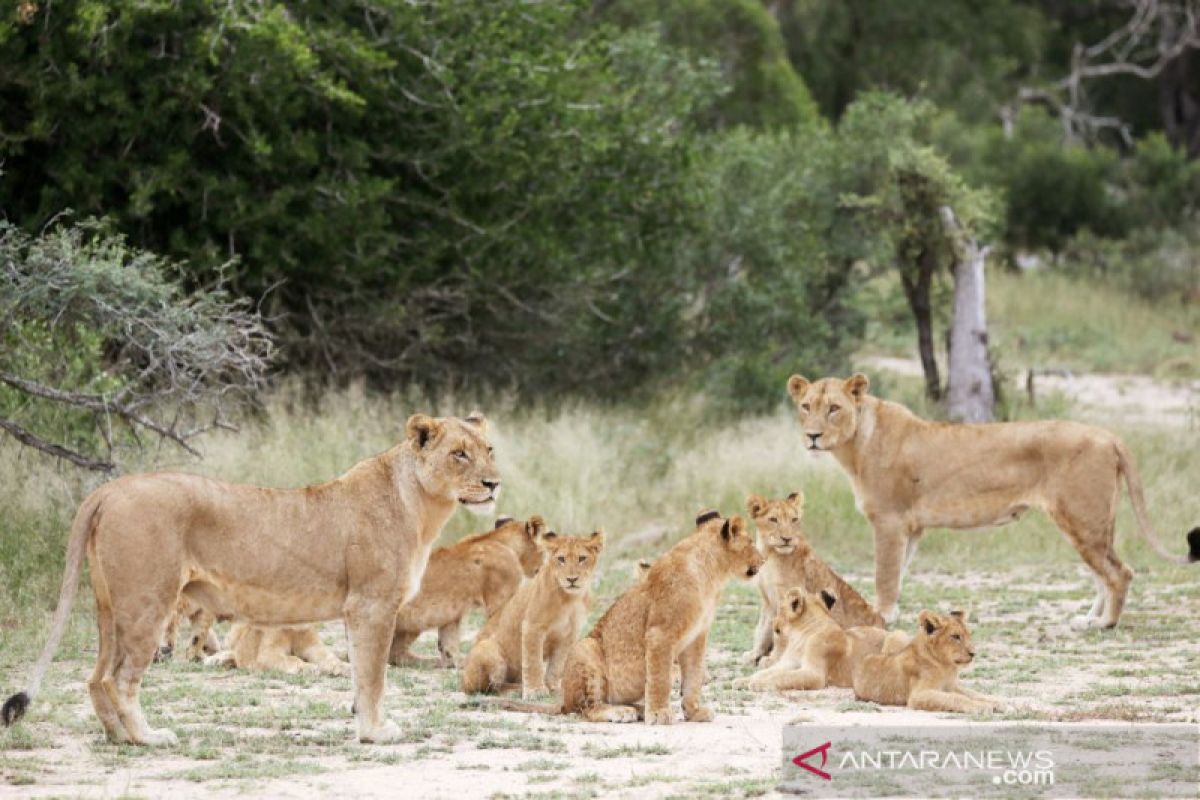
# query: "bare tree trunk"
{"type": "Point", "coordinates": [917, 289]}
{"type": "Point", "coordinates": [970, 396]}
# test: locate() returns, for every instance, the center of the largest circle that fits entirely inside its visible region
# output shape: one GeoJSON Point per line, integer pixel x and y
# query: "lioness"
{"type": "Point", "coordinates": [353, 548]}
{"type": "Point", "coordinates": [483, 570]}
{"type": "Point", "coordinates": [529, 639]}
{"type": "Point", "coordinates": [910, 474]}
{"type": "Point", "coordinates": [665, 617]}
{"type": "Point", "coordinates": [812, 650]}
{"type": "Point", "coordinates": [285, 649]}
{"type": "Point", "coordinates": [924, 674]}
{"type": "Point", "coordinates": [791, 562]}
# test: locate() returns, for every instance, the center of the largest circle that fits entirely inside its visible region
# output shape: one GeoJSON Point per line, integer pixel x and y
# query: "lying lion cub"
{"type": "Point", "coordinates": [290, 649]}
{"type": "Point", "coordinates": [481, 571]}
{"type": "Point", "coordinates": [665, 617]}
{"type": "Point", "coordinates": [539, 624]}
{"type": "Point", "coordinates": [924, 674]}
{"type": "Point", "coordinates": [812, 650]}
{"type": "Point", "coordinates": [791, 562]}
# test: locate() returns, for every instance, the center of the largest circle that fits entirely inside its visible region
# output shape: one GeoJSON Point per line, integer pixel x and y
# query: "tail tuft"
{"type": "Point", "coordinates": [14, 708]}
{"type": "Point", "coordinates": [1194, 545]}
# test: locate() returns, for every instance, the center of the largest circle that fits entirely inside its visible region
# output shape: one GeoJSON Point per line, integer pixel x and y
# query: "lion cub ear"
{"type": "Point", "coordinates": [501, 522]}
{"type": "Point", "coordinates": [797, 385]}
{"type": "Point", "coordinates": [929, 622]}
{"type": "Point", "coordinates": [705, 516]}
{"type": "Point", "coordinates": [756, 504]}
{"type": "Point", "coordinates": [595, 542]}
{"type": "Point", "coordinates": [794, 600]}
{"type": "Point", "coordinates": [796, 500]}
{"type": "Point", "coordinates": [423, 429]}
{"type": "Point", "coordinates": [857, 385]}
{"type": "Point", "coordinates": [535, 527]}
{"type": "Point", "coordinates": [477, 419]}
{"type": "Point", "coordinates": [828, 599]}
{"type": "Point", "coordinates": [961, 616]}
{"type": "Point", "coordinates": [733, 527]}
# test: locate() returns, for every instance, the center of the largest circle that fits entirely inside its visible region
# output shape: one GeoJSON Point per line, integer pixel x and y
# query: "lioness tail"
{"type": "Point", "coordinates": [1138, 501]}
{"type": "Point", "coordinates": [81, 529]}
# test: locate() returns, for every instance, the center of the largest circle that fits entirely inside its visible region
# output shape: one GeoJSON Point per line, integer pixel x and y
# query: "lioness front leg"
{"type": "Point", "coordinates": [658, 677]}
{"type": "Point", "coordinates": [691, 667]}
{"type": "Point", "coordinates": [938, 700]}
{"type": "Point", "coordinates": [891, 548]}
{"type": "Point", "coordinates": [533, 665]}
{"type": "Point", "coordinates": [370, 625]}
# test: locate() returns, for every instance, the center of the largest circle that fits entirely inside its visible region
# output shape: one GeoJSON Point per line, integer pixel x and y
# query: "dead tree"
{"type": "Point", "coordinates": [970, 396]}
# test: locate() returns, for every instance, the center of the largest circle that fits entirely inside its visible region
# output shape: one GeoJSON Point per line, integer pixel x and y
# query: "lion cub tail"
{"type": "Point", "coordinates": [81, 530]}
{"type": "Point", "coordinates": [505, 704]}
{"type": "Point", "coordinates": [1138, 500]}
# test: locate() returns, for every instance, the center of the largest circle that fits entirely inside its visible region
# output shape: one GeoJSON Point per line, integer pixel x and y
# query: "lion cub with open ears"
{"type": "Point", "coordinates": [528, 640]}
{"type": "Point", "coordinates": [924, 674]}
{"type": "Point", "coordinates": [812, 650]}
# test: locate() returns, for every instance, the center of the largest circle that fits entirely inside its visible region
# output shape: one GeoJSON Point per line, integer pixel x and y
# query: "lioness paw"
{"type": "Point", "coordinates": [659, 717]}
{"type": "Point", "coordinates": [699, 714]}
{"type": "Point", "coordinates": [389, 731]}
{"type": "Point", "coordinates": [161, 737]}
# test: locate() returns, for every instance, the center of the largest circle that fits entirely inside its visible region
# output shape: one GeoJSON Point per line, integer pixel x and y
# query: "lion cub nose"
{"type": "Point", "coordinates": [785, 539]}
{"type": "Point", "coordinates": [491, 485]}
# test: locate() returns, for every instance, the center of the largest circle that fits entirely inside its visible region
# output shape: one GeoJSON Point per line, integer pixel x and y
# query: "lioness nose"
{"type": "Point", "coordinates": [490, 484]}
{"type": "Point", "coordinates": [814, 437]}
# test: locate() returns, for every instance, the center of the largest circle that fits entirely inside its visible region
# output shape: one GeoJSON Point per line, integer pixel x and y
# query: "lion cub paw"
{"type": "Point", "coordinates": [659, 717]}
{"type": "Point", "coordinates": [699, 714]}
{"type": "Point", "coordinates": [620, 714]}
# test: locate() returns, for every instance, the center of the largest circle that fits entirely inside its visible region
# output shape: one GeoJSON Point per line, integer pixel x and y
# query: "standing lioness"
{"type": "Point", "coordinates": [910, 474]}
{"type": "Point", "coordinates": [352, 548]}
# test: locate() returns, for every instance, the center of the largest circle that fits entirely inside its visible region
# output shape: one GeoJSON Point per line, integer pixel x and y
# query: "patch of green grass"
{"type": "Point", "coordinates": [626, 751]}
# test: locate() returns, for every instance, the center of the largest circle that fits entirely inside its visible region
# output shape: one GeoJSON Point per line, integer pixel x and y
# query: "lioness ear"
{"type": "Point", "coordinates": [828, 599]}
{"type": "Point", "coordinates": [856, 386]}
{"type": "Point", "coordinates": [705, 516]}
{"type": "Point", "coordinates": [797, 385]}
{"type": "Point", "coordinates": [423, 429]}
{"type": "Point", "coordinates": [535, 527]}
{"type": "Point", "coordinates": [928, 621]}
{"type": "Point", "coordinates": [477, 419]}
{"type": "Point", "coordinates": [596, 541]}
{"type": "Point", "coordinates": [756, 504]}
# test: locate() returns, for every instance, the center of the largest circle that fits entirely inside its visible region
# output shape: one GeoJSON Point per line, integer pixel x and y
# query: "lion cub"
{"type": "Point", "coordinates": [811, 649]}
{"type": "Point", "coordinates": [924, 674]}
{"type": "Point", "coordinates": [291, 650]}
{"type": "Point", "coordinates": [539, 624]}
{"type": "Point", "coordinates": [791, 562]}
{"type": "Point", "coordinates": [662, 618]}
{"type": "Point", "coordinates": [483, 570]}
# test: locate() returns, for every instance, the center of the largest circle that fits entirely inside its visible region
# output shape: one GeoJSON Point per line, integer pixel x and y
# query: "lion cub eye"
{"type": "Point", "coordinates": [833, 409]}
{"type": "Point", "coordinates": [562, 559]}
{"type": "Point", "coordinates": [773, 519]}
{"type": "Point", "coordinates": [461, 455]}
{"type": "Point", "coordinates": [795, 519]}
{"type": "Point", "coordinates": [582, 559]}
{"type": "Point", "coordinates": [956, 638]}
{"type": "Point", "coordinates": [805, 407]}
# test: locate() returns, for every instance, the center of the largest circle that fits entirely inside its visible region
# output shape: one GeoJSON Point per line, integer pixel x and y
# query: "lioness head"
{"type": "Point", "coordinates": [800, 606]}
{"type": "Point", "coordinates": [571, 560]}
{"type": "Point", "coordinates": [778, 521]}
{"type": "Point", "coordinates": [828, 409]}
{"type": "Point", "coordinates": [526, 540]}
{"type": "Point", "coordinates": [741, 557]}
{"type": "Point", "coordinates": [947, 636]}
{"type": "Point", "coordinates": [454, 460]}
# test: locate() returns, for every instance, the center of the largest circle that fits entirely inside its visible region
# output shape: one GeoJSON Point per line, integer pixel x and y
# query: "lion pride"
{"type": "Point", "coordinates": [353, 548]}
{"type": "Point", "coordinates": [910, 474]}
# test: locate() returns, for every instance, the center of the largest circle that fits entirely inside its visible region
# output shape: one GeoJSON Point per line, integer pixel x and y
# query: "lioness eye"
{"type": "Point", "coordinates": [833, 409]}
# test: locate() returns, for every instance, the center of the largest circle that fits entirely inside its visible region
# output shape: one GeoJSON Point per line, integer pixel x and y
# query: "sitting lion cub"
{"type": "Point", "coordinates": [665, 617]}
{"type": "Point", "coordinates": [791, 562]}
{"type": "Point", "coordinates": [924, 674]}
{"type": "Point", "coordinates": [483, 570]}
{"type": "Point", "coordinates": [539, 624]}
{"type": "Point", "coordinates": [291, 650]}
{"type": "Point", "coordinates": [812, 650]}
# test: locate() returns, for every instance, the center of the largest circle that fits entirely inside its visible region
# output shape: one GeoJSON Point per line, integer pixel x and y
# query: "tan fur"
{"type": "Point", "coordinates": [924, 674]}
{"type": "Point", "coordinates": [201, 639]}
{"type": "Point", "coordinates": [665, 617]}
{"type": "Point", "coordinates": [480, 571]}
{"type": "Point", "coordinates": [791, 562]}
{"type": "Point", "coordinates": [911, 474]}
{"type": "Point", "coordinates": [353, 548]}
{"type": "Point", "coordinates": [284, 649]}
{"type": "Point", "coordinates": [813, 650]}
{"type": "Point", "coordinates": [529, 639]}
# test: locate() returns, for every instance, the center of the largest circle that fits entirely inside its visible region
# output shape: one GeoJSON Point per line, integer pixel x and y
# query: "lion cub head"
{"type": "Point", "coordinates": [454, 460]}
{"type": "Point", "coordinates": [571, 560]}
{"type": "Point", "coordinates": [946, 637]}
{"type": "Point", "coordinates": [802, 609]}
{"type": "Point", "coordinates": [778, 522]}
{"type": "Point", "coordinates": [739, 555]}
{"type": "Point", "coordinates": [829, 409]}
{"type": "Point", "coordinates": [525, 540]}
